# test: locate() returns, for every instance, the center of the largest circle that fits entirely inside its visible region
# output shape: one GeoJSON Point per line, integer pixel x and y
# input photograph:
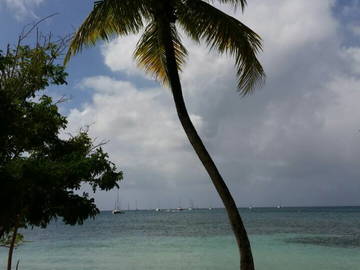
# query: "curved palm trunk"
{"type": "Point", "coordinates": [246, 259]}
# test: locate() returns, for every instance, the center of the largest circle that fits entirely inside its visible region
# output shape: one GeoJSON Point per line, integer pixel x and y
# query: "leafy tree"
{"type": "Point", "coordinates": [39, 169]}
{"type": "Point", "coordinates": [12, 240]}
{"type": "Point", "coordinates": [161, 52]}
{"type": "Point", "coordinates": [6, 240]}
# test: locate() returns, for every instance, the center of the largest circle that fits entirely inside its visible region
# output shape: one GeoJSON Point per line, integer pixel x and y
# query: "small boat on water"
{"type": "Point", "coordinates": [117, 206]}
{"type": "Point", "coordinates": [117, 211]}
{"type": "Point", "coordinates": [191, 207]}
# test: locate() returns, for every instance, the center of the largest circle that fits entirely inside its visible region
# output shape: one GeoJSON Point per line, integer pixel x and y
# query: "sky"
{"type": "Point", "coordinates": [294, 142]}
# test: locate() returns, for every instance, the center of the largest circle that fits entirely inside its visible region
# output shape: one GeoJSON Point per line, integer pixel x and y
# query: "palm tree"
{"type": "Point", "coordinates": [161, 52]}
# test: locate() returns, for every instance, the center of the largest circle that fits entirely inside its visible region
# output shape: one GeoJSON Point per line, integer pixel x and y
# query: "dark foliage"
{"type": "Point", "coordinates": [40, 170]}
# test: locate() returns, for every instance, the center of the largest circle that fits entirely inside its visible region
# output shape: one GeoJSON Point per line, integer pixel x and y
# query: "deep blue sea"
{"type": "Point", "coordinates": [296, 238]}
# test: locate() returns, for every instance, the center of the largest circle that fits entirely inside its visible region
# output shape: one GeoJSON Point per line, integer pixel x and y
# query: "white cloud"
{"type": "Point", "coordinates": [22, 8]}
{"type": "Point", "coordinates": [295, 140]}
{"type": "Point", "coordinates": [145, 135]}
{"type": "Point", "coordinates": [352, 56]}
{"type": "Point", "coordinates": [355, 29]}
{"type": "Point", "coordinates": [118, 55]}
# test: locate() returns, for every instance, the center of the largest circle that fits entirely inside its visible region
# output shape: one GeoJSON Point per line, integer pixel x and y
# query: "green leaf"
{"type": "Point", "coordinates": [227, 35]}
{"type": "Point", "coordinates": [108, 18]}
{"type": "Point", "coordinates": [150, 52]}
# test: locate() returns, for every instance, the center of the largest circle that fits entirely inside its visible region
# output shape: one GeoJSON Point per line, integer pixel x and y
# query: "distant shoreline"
{"type": "Point", "coordinates": [252, 207]}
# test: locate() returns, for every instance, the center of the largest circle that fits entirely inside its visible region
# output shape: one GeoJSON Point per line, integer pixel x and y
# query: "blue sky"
{"type": "Point", "coordinates": [294, 142]}
{"type": "Point", "coordinates": [69, 15]}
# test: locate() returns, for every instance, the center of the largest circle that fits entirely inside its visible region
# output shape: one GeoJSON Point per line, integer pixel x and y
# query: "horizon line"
{"type": "Point", "coordinates": [244, 207]}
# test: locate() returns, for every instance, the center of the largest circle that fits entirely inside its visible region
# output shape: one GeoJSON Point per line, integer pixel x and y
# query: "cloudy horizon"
{"type": "Point", "coordinates": [294, 142]}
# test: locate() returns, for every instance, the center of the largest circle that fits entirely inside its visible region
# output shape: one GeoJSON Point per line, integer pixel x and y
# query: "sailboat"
{"type": "Point", "coordinates": [117, 207]}
{"type": "Point", "coordinates": [191, 205]}
{"type": "Point", "coordinates": [179, 208]}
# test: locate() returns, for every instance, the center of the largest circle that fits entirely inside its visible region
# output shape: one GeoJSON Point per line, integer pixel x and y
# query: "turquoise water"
{"type": "Point", "coordinates": [282, 239]}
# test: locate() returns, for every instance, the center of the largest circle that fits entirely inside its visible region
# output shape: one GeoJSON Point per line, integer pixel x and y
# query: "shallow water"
{"type": "Point", "coordinates": [282, 239]}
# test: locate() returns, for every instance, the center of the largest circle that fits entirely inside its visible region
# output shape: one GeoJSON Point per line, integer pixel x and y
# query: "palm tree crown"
{"type": "Point", "coordinates": [199, 19]}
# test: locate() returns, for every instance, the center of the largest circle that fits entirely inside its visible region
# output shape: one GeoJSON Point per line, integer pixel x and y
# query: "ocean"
{"type": "Point", "coordinates": [293, 238]}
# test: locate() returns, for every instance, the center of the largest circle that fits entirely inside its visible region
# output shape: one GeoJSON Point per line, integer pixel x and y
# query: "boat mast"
{"type": "Point", "coordinates": [117, 200]}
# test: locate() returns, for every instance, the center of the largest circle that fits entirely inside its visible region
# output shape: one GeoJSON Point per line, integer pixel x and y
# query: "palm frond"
{"type": "Point", "coordinates": [226, 34]}
{"type": "Point", "coordinates": [109, 17]}
{"type": "Point", "coordinates": [150, 52]}
{"type": "Point", "coordinates": [234, 3]}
